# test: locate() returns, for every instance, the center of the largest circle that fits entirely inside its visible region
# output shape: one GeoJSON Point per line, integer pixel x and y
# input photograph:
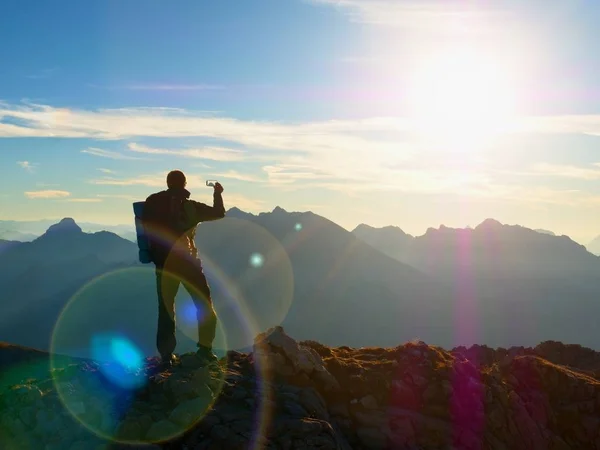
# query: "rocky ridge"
{"type": "Point", "coordinates": [303, 395]}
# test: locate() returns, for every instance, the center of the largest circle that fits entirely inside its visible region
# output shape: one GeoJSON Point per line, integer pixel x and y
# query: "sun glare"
{"type": "Point", "coordinates": [460, 98]}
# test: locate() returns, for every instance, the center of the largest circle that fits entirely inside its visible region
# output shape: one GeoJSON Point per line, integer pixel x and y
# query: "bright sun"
{"type": "Point", "coordinates": [460, 98]}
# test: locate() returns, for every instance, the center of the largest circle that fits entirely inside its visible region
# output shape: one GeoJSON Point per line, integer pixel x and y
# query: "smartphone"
{"type": "Point", "coordinates": [211, 183]}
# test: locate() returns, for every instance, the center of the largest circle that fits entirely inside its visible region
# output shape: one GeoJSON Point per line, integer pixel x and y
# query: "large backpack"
{"type": "Point", "coordinates": [160, 222]}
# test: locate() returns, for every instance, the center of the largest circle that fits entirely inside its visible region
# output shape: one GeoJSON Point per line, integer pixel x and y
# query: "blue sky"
{"type": "Point", "coordinates": [377, 111]}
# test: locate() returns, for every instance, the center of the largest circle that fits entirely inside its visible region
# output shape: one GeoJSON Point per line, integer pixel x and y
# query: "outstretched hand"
{"type": "Point", "coordinates": [218, 188]}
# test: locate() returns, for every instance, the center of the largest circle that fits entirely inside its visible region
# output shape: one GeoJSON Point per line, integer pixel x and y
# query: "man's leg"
{"type": "Point", "coordinates": [166, 285]}
{"type": "Point", "coordinates": [197, 285]}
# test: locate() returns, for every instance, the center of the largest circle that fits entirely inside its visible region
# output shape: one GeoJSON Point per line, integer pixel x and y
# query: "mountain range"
{"type": "Point", "coordinates": [495, 284]}
{"type": "Point", "coordinates": [28, 230]}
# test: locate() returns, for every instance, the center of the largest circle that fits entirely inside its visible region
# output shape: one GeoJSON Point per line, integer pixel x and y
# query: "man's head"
{"type": "Point", "coordinates": [176, 180]}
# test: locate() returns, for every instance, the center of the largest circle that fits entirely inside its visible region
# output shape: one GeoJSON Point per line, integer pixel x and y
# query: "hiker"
{"type": "Point", "coordinates": [170, 219]}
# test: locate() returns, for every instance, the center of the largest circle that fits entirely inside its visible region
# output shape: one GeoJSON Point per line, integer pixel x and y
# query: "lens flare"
{"type": "Point", "coordinates": [257, 260]}
{"type": "Point", "coordinates": [110, 324]}
{"type": "Point", "coordinates": [250, 275]}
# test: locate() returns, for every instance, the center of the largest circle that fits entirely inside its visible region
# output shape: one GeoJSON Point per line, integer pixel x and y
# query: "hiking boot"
{"type": "Point", "coordinates": [206, 354]}
{"type": "Point", "coordinates": [168, 361]}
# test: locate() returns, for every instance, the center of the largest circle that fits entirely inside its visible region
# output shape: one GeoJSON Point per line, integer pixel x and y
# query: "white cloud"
{"type": "Point", "coordinates": [158, 181]}
{"type": "Point", "coordinates": [291, 173]}
{"type": "Point", "coordinates": [107, 154]}
{"type": "Point", "coordinates": [235, 175]}
{"type": "Point", "coordinates": [26, 165]}
{"type": "Point", "coordinates": [312, 137]}
{"type": "Point", "coordinates": [339, 136]}
{"type": "Point", "coordinates": [47, 194]}
{"type": "Point", "coordinates": [350, 156]}
{"type": "Point", "coordinates": [108, 171]}
{"type": "Point", "coordinates": [210, 153]}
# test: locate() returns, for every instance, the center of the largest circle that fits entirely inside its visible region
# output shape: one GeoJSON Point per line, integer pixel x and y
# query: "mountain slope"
{"type": "Point", "coordinates": [594, 246]}
{"type": "Point", "coordinates": [28, 230]}
{"type": "Point", "coordinates": [490, 250]}
{"type": "Point", "coordinates": [37, 278]}
{"type": "Point", "coordinates": [337, 279]}
{"type": "Point", "coordinates": [390, 240]}
{"type": "Point", "coordinates": [317, 279]}
{"type": "Point", "coordinates": [5, 245]}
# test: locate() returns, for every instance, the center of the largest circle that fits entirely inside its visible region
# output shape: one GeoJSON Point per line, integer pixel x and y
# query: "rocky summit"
{"type": "Point", "coordinates": [303, 395]}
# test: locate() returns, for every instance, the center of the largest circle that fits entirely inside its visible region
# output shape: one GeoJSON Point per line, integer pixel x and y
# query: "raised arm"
{"type": "Point", "coordinates": [204, 212]}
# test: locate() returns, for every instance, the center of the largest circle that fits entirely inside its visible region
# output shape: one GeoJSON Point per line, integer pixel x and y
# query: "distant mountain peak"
{"type": "Point", "coordinates": [490, 224]}
{"type": "Point", "coordinates": [237, 213]}
{"type": "Point", "coordinates": [279, 210]}
{"type": "Point", "coordinates": [542, 231]}
{"type": "Point", "coordinates": [66, 225]}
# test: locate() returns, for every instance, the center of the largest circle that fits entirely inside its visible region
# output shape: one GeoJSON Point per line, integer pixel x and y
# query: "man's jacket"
{"type": "Point", "coordinates": [170, 219]}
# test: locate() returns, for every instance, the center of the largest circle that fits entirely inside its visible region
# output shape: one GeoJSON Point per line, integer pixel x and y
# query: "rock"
{"type": "Point", "coordinates": [404, 396]}
{"type": "Point", "coordinates": [220, 432]}
{"type": "Point", "coordinates": [410, 397]}
{"type": "Point", "coordinates": [371, 419]}
{"type": "Point", "coordinates": [369, 402]}
{"type": "Point", "coordinates": [130, 430]}
{"type": "Point", "coordinates": [295, 410]}
{"type": "Point", "coordinates": [26, 394]}
{"type": "Point", "coordinates": [80, 445]}
{"type": "Point", "coordinates": [371, 437]}
{"type": "Point", "coordinates": [162, 431]}
{"type": "Point", "coordinates": [314, 403]}
{"type": "Point", "coordinates": [339, 409]}
{"type": "Point", "coordinates": [27, 415]}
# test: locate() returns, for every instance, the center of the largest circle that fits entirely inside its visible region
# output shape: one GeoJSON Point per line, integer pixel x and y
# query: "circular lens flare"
{"type": "Point", "coordinates": [110, 326]}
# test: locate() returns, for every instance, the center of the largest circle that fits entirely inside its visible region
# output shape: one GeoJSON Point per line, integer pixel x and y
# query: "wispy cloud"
{"type": "Point", "coordinates": [108, 171]}
{"type": "Point", "coordinates": [107, 154]}
{"type": "Point", "coordinates": [154, 180]}
{"type": "Point", "coordinates": [160, 87]}
{"type": "Point", "coordinates": [26, 165]}
{"type": "Point", "coordinates": [291, 173]}
{"type": "Point", "coordinates": [344, 155]}
{"type": "Point", "coordinates": [173, 87]}
{"type": "Point", "coordinates": [235, 175]}
{"type": "Point", "coordinates": [344, 135]}
{"type": "Point", "coordinates": [46, 194]}
{"type": "Point", "coordinates": [209, 153]}
{"type": "Point", "coordinates": [421, 14]}
{"type": "Point", "coordinates": [158, 181]}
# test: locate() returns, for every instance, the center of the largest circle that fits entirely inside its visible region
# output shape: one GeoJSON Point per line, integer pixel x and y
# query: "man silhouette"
{"type": "Point", "coordinates": [170, 219]}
